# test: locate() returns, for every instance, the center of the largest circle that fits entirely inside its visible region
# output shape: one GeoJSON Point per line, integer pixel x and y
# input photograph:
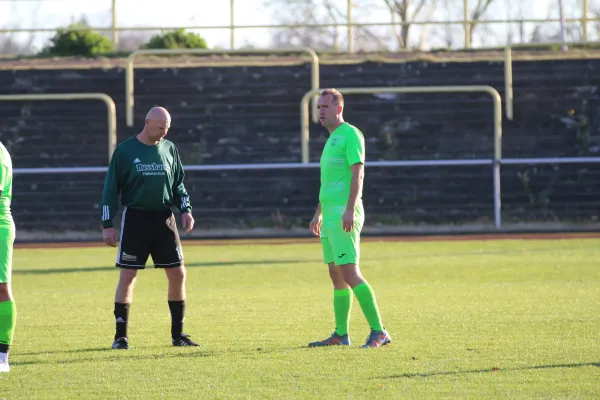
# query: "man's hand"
{"type": "Point", "coordinates": [315, 225]}
{"type": "Point", "coordinates": [187, 222]}
{"type": "Point", "coordinates": [348, 220]}
{"type": "Point", "coordinates": [109, 235]}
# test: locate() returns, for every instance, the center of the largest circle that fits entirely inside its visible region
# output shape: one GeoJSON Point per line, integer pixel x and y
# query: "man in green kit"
{"type": "Point", "coordinates": [146, 172]}
{"type": "Point", "coordinates": [339, 219]}
{"type": "Point", "coordinates": [8, 310]}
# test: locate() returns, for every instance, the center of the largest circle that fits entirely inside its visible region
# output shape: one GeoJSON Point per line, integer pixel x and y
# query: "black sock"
{"type": "Point", "coordinates": [121, 318]}
{"type": "Point", "coordinates": [4, 348]}
{"type": "Point", "coordinates": [177, 316]}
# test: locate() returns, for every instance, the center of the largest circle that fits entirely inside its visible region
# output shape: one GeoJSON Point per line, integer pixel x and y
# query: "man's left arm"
{"type": "Point", "coordinates": [3, 173]}
{"type": "Point", "coordinates": [356, 185]}
{"type": "Point", "coordinates": [180, 195]}
{"type": "Point", "coordinates": [355, 156]}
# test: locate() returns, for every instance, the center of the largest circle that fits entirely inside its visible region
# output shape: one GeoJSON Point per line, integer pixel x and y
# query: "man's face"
{"type": "Point", "coordinates": [157, 129]}
{"type": "Point", "coordinates": [328, 111]}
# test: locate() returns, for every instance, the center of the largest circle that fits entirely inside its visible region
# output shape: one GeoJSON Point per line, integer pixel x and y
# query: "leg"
{"type": "Point", "coordinates": [124, 292]}
{"type": "Point", "coordinates": [176, 299]}
{"type": "Point", "coordinates": [176, 277]}
{"type": "Point", "coordinates": [123, 299]}
{"type": "Point", "coordinates": [8, 311]}
{"type": "Point", "coordinates": [364, 294]}
{"type": "Point", "coordinates": [167, 253]}
{"type": "Point", "coordinates": [342, 301]}
{"type": "Point", "coordinates": [134, 249]}
{"type": "Point", "coordinates": [346, 246]}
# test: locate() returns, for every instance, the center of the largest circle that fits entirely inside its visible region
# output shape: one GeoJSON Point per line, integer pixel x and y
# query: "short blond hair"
{"type": "Point", "coordinates": [338, 98]}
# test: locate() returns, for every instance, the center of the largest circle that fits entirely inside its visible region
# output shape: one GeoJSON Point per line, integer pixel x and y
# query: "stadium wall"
{"type": "Point", "coordinates": [224, 114]}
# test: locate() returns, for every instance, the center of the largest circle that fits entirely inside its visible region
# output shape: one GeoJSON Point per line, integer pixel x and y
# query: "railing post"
{"type": "Point", "coordinates": [508, 82]}
{"type": "Point", "coordinates": [115, 30]}
{"type": "Point", "coordinates": [232, 25]}
{"type": "Point", "coordinates": [497, 158]}
{"type": "Point", "coordinates": [584, 19]}
{"type": "Point", "coordinates": [467, 23]}
{"type": "Point", "coordinates": [350, 29]}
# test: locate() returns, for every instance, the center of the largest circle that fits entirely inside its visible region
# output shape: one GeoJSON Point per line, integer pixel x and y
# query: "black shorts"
{"type": "Point", "coordinates": [149, 233]}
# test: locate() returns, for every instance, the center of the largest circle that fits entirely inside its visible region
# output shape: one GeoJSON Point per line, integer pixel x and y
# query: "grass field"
{"type": "Point", "coordinates": [469, 319]}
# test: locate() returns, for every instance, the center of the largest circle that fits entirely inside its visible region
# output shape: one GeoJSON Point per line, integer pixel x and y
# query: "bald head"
{"type": "Point", "coordinates": [158, 114]}
{"type": "Point", "coordinates": [158, 122]}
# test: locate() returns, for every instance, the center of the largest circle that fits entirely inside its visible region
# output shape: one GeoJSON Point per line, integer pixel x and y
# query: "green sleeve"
{"type": "Point", "coordinates": [3, 173]}
{"type": "Point", "coordinates": [110, 194]}
{"type": "Point", "coordinates": [355, 148]}
{"type": "Point", "coordinates": [180, 195]}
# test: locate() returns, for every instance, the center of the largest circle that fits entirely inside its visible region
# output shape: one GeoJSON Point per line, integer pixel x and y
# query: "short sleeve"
{"type": "Point", "coordinates": [355, 148]}
{"type": "Point", "coordinates": [3, 173]}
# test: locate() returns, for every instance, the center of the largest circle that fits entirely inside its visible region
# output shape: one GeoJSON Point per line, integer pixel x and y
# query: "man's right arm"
{"type": "Point", "coordinates": [315, 224]}
{"type": "Point", "coordinates": [318, 212]}
{"type": "Point", "coordinates": [110, 194]}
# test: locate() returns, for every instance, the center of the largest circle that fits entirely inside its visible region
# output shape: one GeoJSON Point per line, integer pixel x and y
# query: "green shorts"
{"type": "Point", "coordinates": [7, 239]}
{"type": "Point", "coordinates": [341, 247]}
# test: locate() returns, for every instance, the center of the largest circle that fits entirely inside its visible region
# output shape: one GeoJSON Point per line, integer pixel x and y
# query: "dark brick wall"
{"type": "Point", "coordinates": [225, 115]}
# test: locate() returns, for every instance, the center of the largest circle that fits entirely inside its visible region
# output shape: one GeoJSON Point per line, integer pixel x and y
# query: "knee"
{"type": "Point", "coordinates": [127, 277]}
{"type": "Point", "coordinates": [352, 275]}
{"type": "Point", "coordinates": [335, 274]}
{"type": "Point", "coordinates": [177, 274]}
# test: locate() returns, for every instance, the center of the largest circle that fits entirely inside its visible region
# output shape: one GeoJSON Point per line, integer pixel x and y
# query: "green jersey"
{"type": "Point", "coordinates": [148, 178]}
{"type": "Point", "coordinates": [6, 179]}
{"type": "Point", "coordinates": [345, 147]}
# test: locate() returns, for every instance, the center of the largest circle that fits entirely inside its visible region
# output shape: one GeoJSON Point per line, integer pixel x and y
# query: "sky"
{"type": "Point", "coordinates": [57, 13]}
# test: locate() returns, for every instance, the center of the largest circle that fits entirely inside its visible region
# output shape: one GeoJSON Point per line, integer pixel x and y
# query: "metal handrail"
{"type": "Point", "coordinates": [110, 105]}
{"type": "Point", "coordinates": [305, 134]}
{"type": "Point", "coordinates": [508, 69]}
{"type": "Point", "coordinates": [129, 82]}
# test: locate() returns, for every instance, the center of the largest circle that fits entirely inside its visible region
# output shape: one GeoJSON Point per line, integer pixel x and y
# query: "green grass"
{"type": "Point", "coordinates": [470, 320]}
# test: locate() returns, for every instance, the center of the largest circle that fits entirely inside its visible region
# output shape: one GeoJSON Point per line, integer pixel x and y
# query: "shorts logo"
{"type": "Point", "coordinates": [179, 253]}
{"type": "Point", "coordinates": [128, 257]}
{"type": "Point", "coordinates": [342, 255]}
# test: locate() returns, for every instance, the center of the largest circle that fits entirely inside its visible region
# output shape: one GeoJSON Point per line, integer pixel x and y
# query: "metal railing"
{"type": "Point", "coordinates": [495, 162]}
{"type": "Point", "coordinates": [110, 106]}
{"type": "Point", "coordinates": [129, 81]}
{"type": "Point", "coordinates": [349, 24]}
{"type": "Point", "coordinates": [508, 69]}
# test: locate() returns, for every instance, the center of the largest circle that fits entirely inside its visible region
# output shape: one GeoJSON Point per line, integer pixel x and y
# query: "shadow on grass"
{"type": "Point", "coordinates": [189, 265]}
{"type": "Point", "coordinates": [243, 263]}
{"type": "Point", "coordinates": [49, 352]}
{"type": "Point", "coordinates": [488, 370]}
{"type": "Point", "coordinates": [126, 355]}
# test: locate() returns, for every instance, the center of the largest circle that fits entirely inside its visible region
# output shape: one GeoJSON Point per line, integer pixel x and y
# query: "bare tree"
{"type": "Point", "coordinates": [545, 33]}
{"type": "Point", "coordinates": [9, 44]}
{"type": "Point", "coordinates": [328, 12]}
{"type": "Point", "coordinates": [477, 14]}
{"type": "Point", "coordinates": [408, 11]}
{"type": "Point", "coordinates": [307, 12]}
{"type": "Point", "coordinates": [448, 34]}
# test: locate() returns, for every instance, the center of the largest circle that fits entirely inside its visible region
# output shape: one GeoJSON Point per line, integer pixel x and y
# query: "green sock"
{"type": "Point", "coordinates": [342, 303]}
{"type": "Point", "coordinates": [366, 298]}
{"type": "Point", "coordinates": [8, 319]}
